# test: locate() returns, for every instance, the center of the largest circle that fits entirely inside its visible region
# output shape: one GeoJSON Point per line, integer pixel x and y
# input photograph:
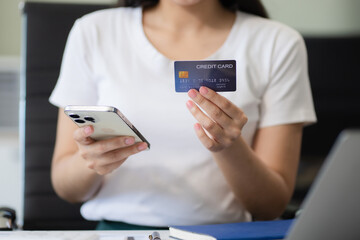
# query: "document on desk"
{"type": "Point", "coordinates": [49, 235]}
{"type": "Point", "coordinates": [77, 235]}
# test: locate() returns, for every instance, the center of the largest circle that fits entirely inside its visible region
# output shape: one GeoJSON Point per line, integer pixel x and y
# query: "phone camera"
{"type": "Point", "coordinates": [74, 115]}
{"type": "Point", "coordinates": [79, 121]}
{"type": "Point", "coordinates": [90, 119]}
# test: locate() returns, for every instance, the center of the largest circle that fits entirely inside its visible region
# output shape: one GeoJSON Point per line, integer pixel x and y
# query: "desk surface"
{"type": "Point", "coordinates": [81, 235]}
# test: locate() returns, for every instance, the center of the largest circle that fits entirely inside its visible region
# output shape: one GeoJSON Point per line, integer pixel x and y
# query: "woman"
{"type": "Point", "coordinates": [238, 163]}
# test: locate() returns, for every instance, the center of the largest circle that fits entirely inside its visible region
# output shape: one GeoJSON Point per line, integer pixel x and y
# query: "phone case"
{"type": "Point", "coordinates": [107, 121]}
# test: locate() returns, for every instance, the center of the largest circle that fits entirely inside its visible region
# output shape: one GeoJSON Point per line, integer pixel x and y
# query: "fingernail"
{"type": "Point", "coordinates": [87, 130]}
{"type": "Point", "coordinates": [142, 147]}
{"type": "Point", "coordinates": [192, 93]}
{"type": "Point", "coordinates": [197, 126]}
{"type": "Point", "coordinates": [129, 141]}
{"type": "Point", "coordinates": [189, 104]}
{"type": "Point", "coordinates": [203, 90]}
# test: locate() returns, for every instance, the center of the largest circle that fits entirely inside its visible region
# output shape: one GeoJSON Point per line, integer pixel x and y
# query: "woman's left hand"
{"type": "Point", "coordinates": [222, 120]}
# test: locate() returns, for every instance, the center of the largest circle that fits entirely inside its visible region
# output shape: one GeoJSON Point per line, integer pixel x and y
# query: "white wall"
{"type": "Point", "coordinates": [317, 17]}
{"type": "Point", "coordinates": [10, 165]}
{"type": "Point", "coordinates": [10, 172]}
{"type": "Point", "coordinates": [10, 23]}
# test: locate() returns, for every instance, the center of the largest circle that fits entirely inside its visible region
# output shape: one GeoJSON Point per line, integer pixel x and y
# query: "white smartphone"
{"type": "Point", "coordinates": [107, 121]}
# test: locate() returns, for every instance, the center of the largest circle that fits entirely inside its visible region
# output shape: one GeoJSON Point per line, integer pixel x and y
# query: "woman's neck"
{"type": "Point", "coordinates": [176, 17]}
{"type": "Point", "coordinates": [187, 32]}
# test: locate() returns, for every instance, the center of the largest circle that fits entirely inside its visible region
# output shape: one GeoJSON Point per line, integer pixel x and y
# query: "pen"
{"type": "Point", "coordinates": [154, 236]}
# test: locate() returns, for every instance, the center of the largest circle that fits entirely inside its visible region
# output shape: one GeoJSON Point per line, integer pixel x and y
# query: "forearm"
{"type": "Point", "coordinates": [262, 190]}
{"type": "Point", "coordinates": [262, 176]}
{"type": "Point", "coordinates": [73, 180]}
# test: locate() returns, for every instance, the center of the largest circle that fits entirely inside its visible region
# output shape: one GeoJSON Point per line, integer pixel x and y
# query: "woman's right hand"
{"type": "Point", "coordinates": [105, 156]}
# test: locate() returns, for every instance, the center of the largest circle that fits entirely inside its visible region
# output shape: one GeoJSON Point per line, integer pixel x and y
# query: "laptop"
{"type": "Point", "coordinates": [331, 210]}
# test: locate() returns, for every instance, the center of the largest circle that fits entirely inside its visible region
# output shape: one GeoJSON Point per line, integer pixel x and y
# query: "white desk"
{"type": "Point", "coordinates": [81, 235]}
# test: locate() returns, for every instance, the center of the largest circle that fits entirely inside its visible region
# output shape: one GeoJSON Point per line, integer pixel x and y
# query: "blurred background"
{"type": "Point", "coordinates": [329, 18]}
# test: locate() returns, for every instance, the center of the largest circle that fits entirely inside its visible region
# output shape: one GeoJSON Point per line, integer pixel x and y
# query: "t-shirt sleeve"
{"type": "Point", "coordinates": [76, 84]}
{"type": "Point", "coordinates": [287, 98]}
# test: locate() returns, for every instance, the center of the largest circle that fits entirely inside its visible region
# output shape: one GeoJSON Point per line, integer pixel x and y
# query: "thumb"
{"type": "Point", "coordinates": [82, 135]}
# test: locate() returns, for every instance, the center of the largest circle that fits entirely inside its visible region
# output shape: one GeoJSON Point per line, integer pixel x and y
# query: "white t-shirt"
{"type": "Point", "coordinates": [109, 61]}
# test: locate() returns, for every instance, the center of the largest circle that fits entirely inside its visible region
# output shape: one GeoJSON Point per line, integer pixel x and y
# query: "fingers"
{"type": "Point", "coordinates": [104, 156]}
{"type": "Point", "coordinates": [106, 169]}
{"type": "Point", "coordinates": [206, 140]}
{"type": "Point", "coordinates": [224, 104]}
{"type": "Point", "coordinates": [108, 162]}
{"type": "Point", "coordinates": [207, 123]}
{"type": "Point", "coordinates": [111, 144]}
{"type": "Point", "coordinates": [220, 109]}
{"type": "Point", "coordinates": [124, 153]}
{"type": "Point", "coordinates": [82, 135]}
{"type": "Point", "coordinates": [220, 121]}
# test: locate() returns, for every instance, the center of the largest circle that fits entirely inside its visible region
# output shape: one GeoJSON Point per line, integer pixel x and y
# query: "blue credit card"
{"type": "Point", "coordinates": [218, 75]}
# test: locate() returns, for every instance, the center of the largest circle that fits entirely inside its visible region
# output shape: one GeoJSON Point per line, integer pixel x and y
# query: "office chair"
{"type": "Point", "coordinates": [45, 30]}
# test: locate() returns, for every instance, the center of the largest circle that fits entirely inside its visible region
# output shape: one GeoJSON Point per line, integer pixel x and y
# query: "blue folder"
{"type": "Point", "coordinates": [276, 229]}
